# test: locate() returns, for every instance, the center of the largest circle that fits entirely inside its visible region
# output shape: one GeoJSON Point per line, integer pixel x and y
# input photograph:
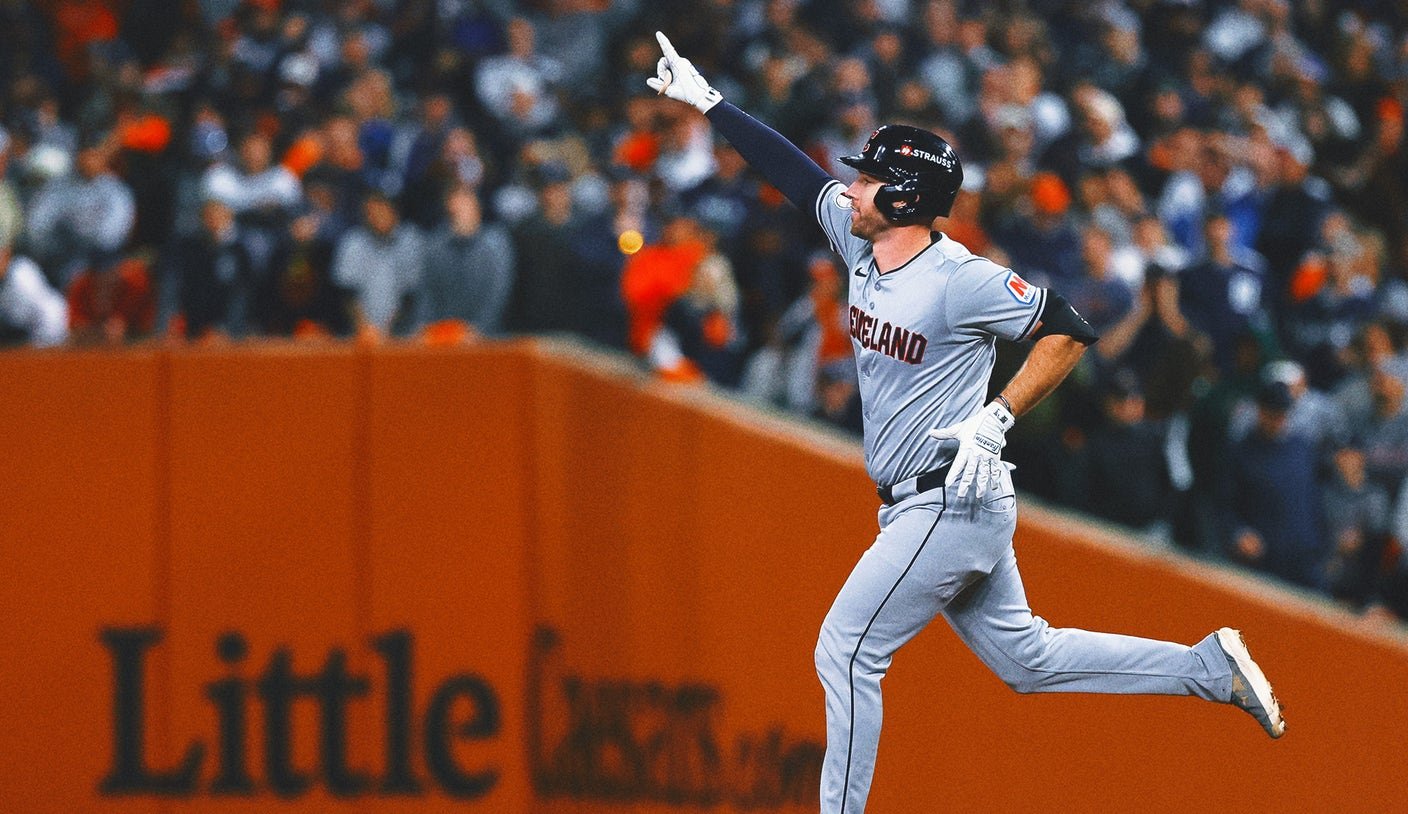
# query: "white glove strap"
{"type": "Point", "coordinates": [991, 433]}
{"type": "Point", "coordinates": [708, 97]}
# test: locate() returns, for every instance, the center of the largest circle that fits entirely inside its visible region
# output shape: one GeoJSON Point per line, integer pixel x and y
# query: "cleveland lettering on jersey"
{"type": "Point", "coordinates": [884, 338]}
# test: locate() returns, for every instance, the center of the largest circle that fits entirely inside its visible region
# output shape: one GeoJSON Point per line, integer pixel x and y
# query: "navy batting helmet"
{"type": "Point", "coordinates": [920, 170]}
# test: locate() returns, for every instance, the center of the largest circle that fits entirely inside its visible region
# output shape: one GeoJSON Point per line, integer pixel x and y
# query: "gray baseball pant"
{"type": "Point", "coordinates": [939, 555]}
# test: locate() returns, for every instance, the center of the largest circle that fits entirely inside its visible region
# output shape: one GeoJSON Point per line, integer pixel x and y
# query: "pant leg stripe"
{"type": "Point", "coordinates": [851, 668]}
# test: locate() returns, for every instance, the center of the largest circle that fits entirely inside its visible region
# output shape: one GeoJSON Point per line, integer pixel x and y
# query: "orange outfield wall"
{"type": "Point", "coordinates": [521, 578]}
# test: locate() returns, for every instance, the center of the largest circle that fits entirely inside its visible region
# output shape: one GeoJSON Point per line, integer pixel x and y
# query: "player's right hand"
{"type": "Point", "coordinates": [978, 461]}
{"type": "Point", "coordinates": [677, 78]}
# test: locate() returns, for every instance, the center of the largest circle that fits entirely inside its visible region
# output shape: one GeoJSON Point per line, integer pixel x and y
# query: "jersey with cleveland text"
{"type": "Point", "coordinates": [924, 337]}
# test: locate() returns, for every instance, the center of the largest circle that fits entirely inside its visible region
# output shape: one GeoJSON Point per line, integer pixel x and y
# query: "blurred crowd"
{"type": "Point", "coordinates": [1220, 186]}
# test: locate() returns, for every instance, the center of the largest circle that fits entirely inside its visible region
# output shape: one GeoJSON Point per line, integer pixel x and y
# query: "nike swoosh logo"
{"type": "Point", "coordinates": [860, 273]}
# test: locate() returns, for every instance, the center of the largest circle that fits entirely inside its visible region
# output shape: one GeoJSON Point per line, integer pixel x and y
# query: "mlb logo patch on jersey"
{"type": "Point", "coordinates": [1021, 290]}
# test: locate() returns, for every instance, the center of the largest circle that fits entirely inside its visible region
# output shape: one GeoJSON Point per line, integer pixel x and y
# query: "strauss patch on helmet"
{"type": "Point", "coordinates": [941, 160]}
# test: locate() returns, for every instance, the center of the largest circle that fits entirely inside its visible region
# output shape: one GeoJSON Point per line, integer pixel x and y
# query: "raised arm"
{"type": "Point", "coordinates": [767, 151]}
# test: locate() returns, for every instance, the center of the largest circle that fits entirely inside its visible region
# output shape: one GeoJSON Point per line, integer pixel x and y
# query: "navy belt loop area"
{"type": "Point", "coordinates": [905, 489]}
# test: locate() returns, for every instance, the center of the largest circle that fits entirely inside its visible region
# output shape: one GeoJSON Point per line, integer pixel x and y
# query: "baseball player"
{"type": "Point", "coordinates": [925, 315]}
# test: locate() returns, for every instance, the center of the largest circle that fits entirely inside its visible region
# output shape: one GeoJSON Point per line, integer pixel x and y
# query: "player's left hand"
{"type": "Point", "coordinates": [980, 438]}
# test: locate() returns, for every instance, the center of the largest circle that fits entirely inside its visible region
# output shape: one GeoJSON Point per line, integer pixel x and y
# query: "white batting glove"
{"type": "Point", "coordinates": [677, 78]}
{"type": "Point", "coordinates": [981, 438]}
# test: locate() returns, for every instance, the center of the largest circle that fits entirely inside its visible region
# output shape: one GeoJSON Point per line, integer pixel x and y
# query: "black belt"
{"type": "Point", "coordinates": [905, 489]}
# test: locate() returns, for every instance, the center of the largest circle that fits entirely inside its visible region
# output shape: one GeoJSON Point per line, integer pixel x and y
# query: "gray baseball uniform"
{"type": "Point", "coordinates": [924, 337]}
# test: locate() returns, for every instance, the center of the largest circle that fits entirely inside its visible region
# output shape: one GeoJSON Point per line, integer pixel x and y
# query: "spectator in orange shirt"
{"type": "Point", "coordinates": [652, 280]}
{"type": "Point", "coordinates": [77, 25]}
{"type": "Point", "coordinates": [705, 319]}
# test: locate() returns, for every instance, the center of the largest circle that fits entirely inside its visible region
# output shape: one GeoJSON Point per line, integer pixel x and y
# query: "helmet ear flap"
{"type": "Point", "coordinates": [900, 203]}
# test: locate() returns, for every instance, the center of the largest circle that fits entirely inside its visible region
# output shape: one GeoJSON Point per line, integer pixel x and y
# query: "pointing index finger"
{"type": "Point", "coordinates": [666, 47]}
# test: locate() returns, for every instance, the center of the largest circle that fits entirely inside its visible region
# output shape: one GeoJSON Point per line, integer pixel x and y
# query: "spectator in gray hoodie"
{"type": "Point", "coordinates": [380, 263]}
{"type": "Point", "coordinates": [469, 267]}
{"type": "Point", "coordinates": [76, 215]}
{"type": "Point", "coordinates": [1358, 513]}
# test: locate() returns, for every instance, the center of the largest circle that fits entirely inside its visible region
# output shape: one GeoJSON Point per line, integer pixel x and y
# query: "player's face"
{"type": "Point", "coordinates": [866, 220]}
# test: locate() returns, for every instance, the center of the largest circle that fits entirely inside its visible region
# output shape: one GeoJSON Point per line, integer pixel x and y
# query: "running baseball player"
{"type": "Point", "coordinates": [925, 316]}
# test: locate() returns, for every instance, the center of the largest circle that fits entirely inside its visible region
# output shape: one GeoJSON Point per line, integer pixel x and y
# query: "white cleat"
{"type": "Point", "coordinates": [1250, 689]}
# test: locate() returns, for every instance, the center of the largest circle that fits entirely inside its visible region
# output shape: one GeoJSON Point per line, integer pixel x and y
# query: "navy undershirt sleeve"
{"type": "Point", "coordinates": [767, 151]}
